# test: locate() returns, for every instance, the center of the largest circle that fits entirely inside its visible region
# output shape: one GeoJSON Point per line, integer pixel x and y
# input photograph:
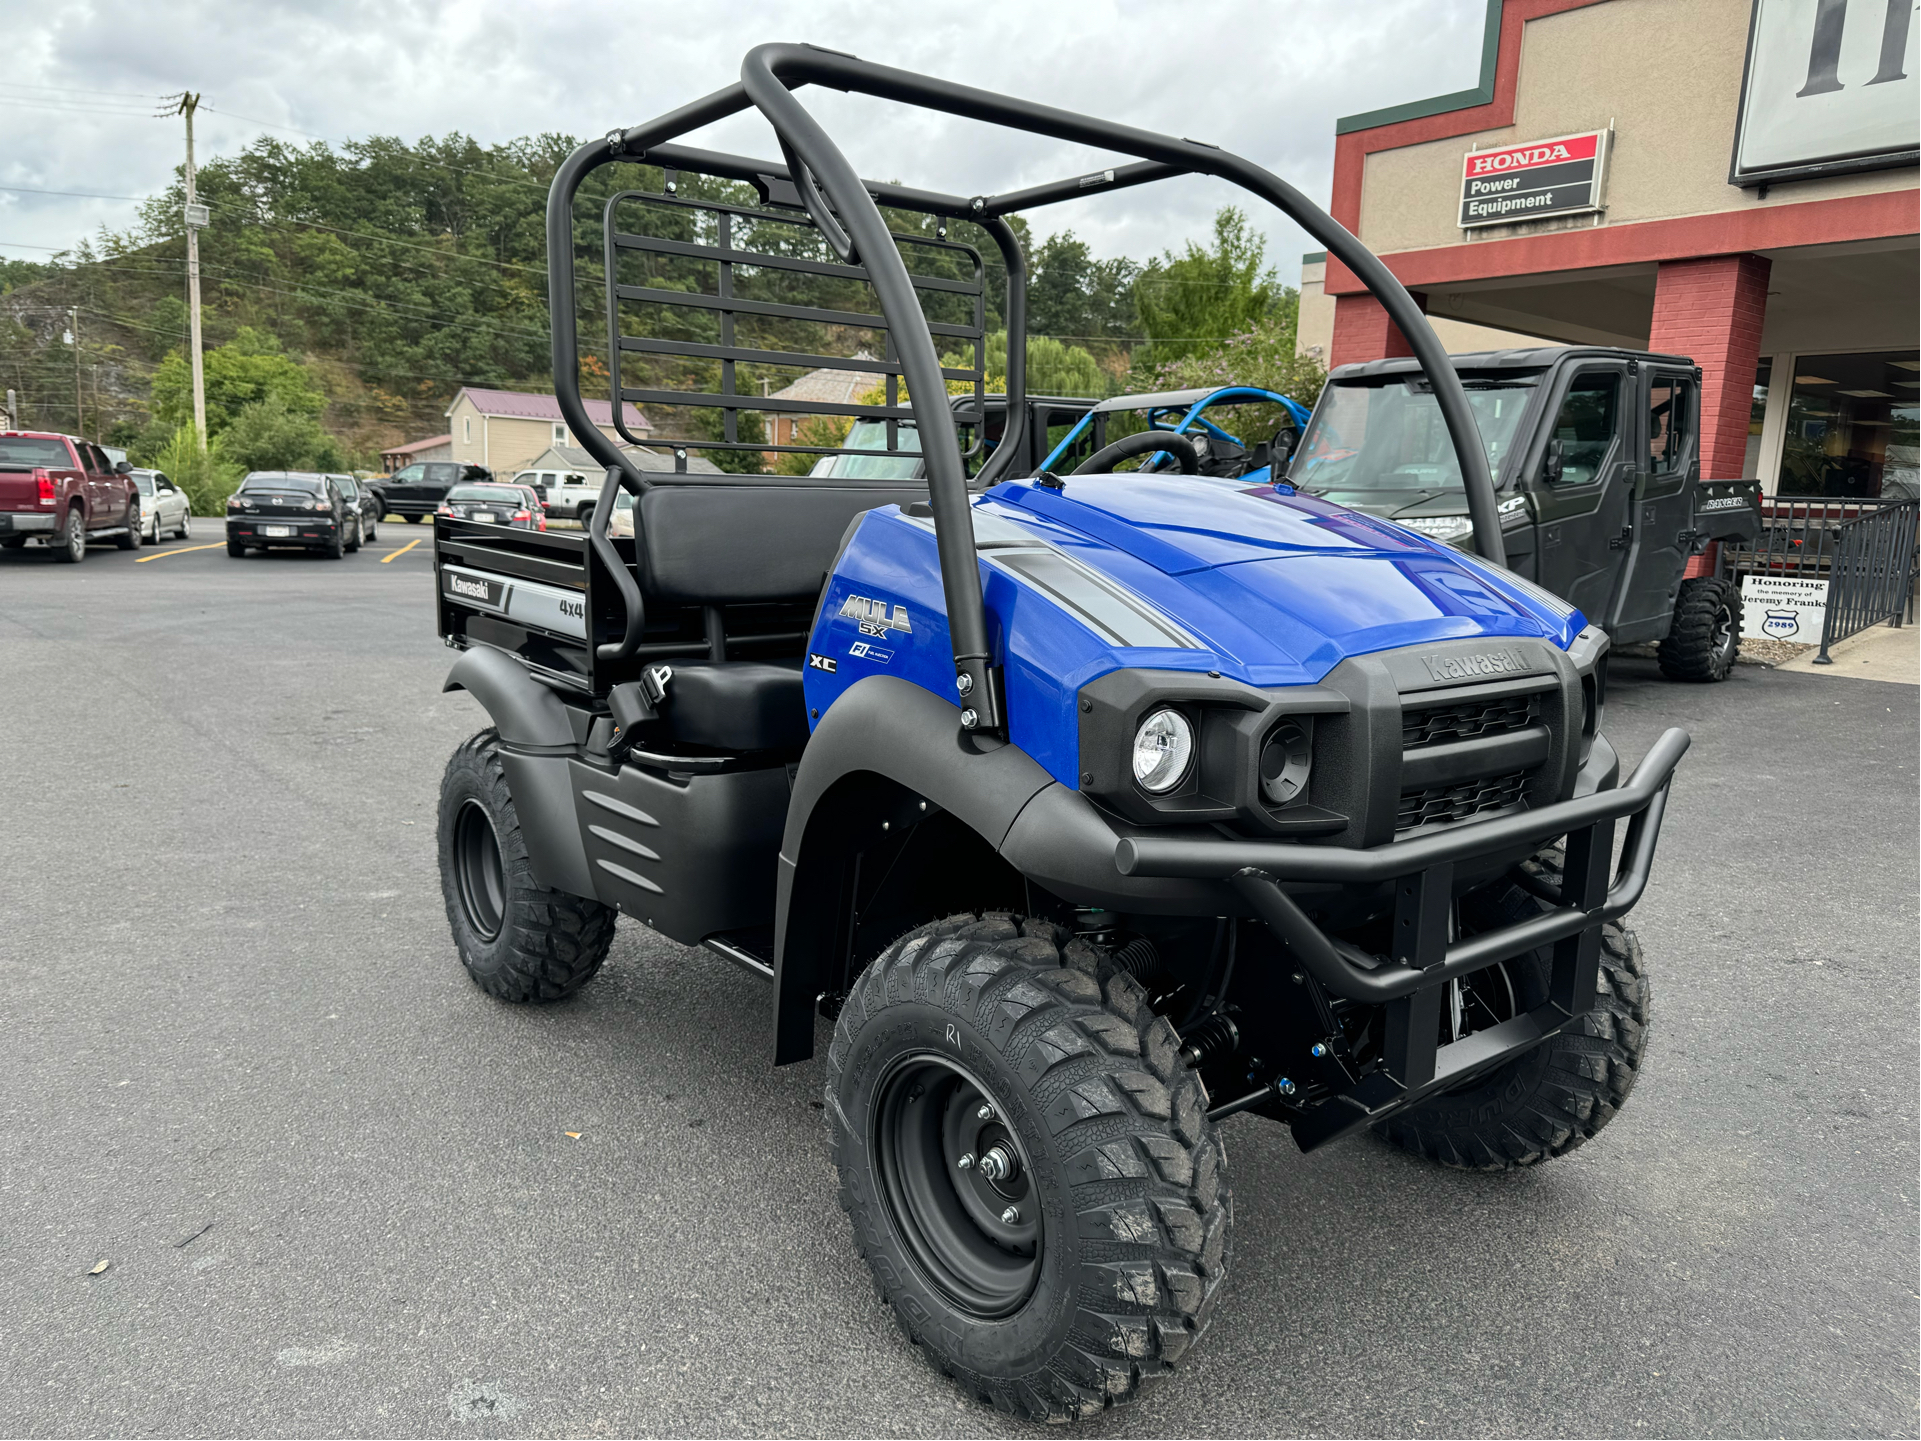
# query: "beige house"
{"type": "Point", "coordinates": [505, 429]}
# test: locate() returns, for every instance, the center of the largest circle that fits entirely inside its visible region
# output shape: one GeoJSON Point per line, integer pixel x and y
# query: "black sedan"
{"type": "Point", "coordinates": [509, 505]}
{"type": "Point", "coordinates": [363, 498]}
{"type": "Point", "coordinates": [291, 508]}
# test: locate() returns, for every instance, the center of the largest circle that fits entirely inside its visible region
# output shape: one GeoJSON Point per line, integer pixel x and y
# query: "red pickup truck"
{"type": "Point", "coordinates": [66, 491]}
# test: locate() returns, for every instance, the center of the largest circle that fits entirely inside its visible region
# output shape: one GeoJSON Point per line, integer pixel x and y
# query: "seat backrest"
{"type": "Point", "coordinates": [717, 540]}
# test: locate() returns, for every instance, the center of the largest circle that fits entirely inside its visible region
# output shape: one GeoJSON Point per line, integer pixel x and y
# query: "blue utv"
{"type": "Point", "coordinates": [1089, 811]}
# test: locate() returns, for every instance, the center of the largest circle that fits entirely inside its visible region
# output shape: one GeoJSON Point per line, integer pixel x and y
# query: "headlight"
{"type": "Point", "coordinates": [1286, 760]}
{"type": "Point", "coordinates": [1163, 746]}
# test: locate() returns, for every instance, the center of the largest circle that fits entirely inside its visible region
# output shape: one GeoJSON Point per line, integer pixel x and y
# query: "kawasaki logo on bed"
{"type": "Point", "coordinates": [1475, 665]}
{"type": "Point", "coordinates": [874, 616]}
{"type": "Point", "coordinates": [474, 589]}
{"type": "Point", "coordinates": [1532, 181]}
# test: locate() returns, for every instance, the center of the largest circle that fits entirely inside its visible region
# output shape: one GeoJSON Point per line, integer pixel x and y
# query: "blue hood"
{"type": "Point", "coordinates": [1287, 585]}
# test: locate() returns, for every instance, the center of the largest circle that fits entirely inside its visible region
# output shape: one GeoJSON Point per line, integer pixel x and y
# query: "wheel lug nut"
{"type": "Point", "coordinates": [1011, 1216]}
{"type": "Point", "coordinates": [985, 1113]}
{"type": "Point", "coordinates": [997, 1163]}
{"type": "Point", "coordinates": [1318, 1049]}
{"type": "Point", "coordinates": [966, 1163]}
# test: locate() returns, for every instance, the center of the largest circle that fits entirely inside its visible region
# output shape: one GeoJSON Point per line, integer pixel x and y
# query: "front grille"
{"type": "Point", "coordinates": [1459, 802]}
{"type": "Point", "coordinates": [1465, 721]}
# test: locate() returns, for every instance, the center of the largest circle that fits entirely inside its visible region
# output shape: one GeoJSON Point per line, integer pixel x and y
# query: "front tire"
{"type": "Point", "coordinates": [1103, 1268]}
{"type": "Point", "coordinates": [1705, 634]}
{"type": "Point", "coordinates": [129, 539]}
{"type": "Point", "coordinates": [1557, 1096]}
{"type": "Point", "coordinates": [353, 546]}
{"type": "Point", "coordinates": [518, 940]}
{"type": "Point", "coordinates": [186, 526]}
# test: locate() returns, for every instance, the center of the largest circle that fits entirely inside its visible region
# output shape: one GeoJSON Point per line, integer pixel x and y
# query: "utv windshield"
{"type": "Point", "coordinates": [1390, 437]}
{"type": "Point", "coordinates": [872, 435]}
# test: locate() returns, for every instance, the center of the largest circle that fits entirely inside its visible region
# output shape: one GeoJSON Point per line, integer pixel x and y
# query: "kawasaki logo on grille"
{"type": "Point", "coordinates": [1476, 664]}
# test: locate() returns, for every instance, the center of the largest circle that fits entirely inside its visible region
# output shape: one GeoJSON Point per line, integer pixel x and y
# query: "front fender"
{"type": "Point", "coordinates": [890, 728]}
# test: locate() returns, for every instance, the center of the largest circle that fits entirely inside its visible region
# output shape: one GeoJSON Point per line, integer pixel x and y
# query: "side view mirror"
{"type": "Point", "coordinates": [1553, 463]}
{"type": "Point", "coordinates": [123, 467]}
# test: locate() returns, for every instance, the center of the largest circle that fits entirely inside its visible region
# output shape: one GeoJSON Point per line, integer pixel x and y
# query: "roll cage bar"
{"type": "Point", "coordinates": [845, 208]}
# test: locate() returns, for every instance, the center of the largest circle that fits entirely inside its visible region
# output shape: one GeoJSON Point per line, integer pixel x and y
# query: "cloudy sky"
{"type": "Point", "coordinates": [1263, 77]}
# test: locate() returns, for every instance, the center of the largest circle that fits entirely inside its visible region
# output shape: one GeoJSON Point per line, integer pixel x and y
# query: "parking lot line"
{"type": "Point", "coordinates": [163, 554]}
{"type": "Point", "coordinates": [403, 549]}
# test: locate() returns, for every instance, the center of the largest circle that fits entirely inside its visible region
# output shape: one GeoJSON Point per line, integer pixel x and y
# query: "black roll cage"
{"type": "Point", "coordinates": [845, 208]}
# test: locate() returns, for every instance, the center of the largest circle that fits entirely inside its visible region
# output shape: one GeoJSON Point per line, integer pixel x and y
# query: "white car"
{"type": "Point", "coordinates": [164, 507]}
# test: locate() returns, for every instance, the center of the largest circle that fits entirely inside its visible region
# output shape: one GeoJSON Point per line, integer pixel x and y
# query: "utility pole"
{"type": "Point", "coordinates": [196, 216]}
{"type": "Point", "coordinates": [73, 324]}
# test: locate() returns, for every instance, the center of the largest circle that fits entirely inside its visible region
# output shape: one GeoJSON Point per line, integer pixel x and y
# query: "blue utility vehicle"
{"type": "Point", "coordinates": [1075, 814]}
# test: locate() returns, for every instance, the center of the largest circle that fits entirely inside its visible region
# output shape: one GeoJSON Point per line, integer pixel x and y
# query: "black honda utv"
{"type": "Point", "coordinates": [1091, 810]}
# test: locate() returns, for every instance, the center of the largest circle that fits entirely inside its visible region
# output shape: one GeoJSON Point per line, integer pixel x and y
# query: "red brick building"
{"type": "Point", "coordinates": [1724, 179]}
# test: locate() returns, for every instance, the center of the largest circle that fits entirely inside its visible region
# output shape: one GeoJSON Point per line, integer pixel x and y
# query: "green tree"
{"type": "Point", "coordinates": [246, 371]}
{"type": "Point", "coordinates": [271, 435]}
{"type": "Point", "coordinates": [208, 479]}
{"type": "Point", "coordinates": [1070, 293]}
{"type": "Point", "coordinates": [1193, 302]}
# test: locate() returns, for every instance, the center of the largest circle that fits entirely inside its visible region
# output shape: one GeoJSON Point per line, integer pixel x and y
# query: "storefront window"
{"type": "Point", "coordinates": [1852, 422]}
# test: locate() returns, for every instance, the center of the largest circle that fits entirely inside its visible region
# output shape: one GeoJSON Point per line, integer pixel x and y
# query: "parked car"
{"type": "Point", "coordinates": [495, 504]}
{"type": "Point", "coordinates": [296, 509]}
{"type": "Point", "coordinates": [66, 491]}
{"type": "Point", "coordinates": [376, 485]}
{"type": "Point", "coordinates": [164, 507]}
{"type": "Point", "coordinates": [417, 491]}
{"type": "Point", "coordinates": [561, 491]}
{"type": "Point", "coordinates": [360, 499]}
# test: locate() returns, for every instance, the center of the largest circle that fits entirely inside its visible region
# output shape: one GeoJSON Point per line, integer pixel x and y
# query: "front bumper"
{"type": "Point", "coordinates": [25, 522]}
{"type": "Point", "coordinates": [1411, 982]}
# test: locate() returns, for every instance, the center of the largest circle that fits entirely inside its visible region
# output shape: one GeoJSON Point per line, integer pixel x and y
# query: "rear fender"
{"type": "Point", "coordinates": [1727, 510]}
{"type": "Point", "coordinates": [536, 739]}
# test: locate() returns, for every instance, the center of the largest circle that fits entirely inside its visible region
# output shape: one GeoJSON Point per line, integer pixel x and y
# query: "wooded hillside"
{"type": "Point", "coordinates": [348, 292]}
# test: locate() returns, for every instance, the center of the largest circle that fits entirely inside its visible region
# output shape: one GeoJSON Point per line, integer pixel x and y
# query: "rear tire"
{"type": "Point", "coordinates": [413, 520]}
{"type": "Point", "coordinates": [235, 548]}
{"type": "Point", "coordinates": [1107, 1267]}
{"type": "Point", "coordinates": [1555, 1097]}
{"type": "Point", "coordinates": [518, 940]}
{"type": "Point", "coordinates": [12, 542]}
{"type": "Point", "coordinates": [1705, 635]}
{"type": "Point", "coordinates": [69, 545]}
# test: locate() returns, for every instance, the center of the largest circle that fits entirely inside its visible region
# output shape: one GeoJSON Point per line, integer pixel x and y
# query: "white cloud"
{"type": "Point", "coordinates": [1262, 78]}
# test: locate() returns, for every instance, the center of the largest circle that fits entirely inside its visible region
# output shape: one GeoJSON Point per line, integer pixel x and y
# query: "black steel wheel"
{"type": "Point", "coordinates": [1028, 1166]}
{"type": "Point", "coordinates": [518, 940]}
{"type": "Point", "coordinates": [478, 875]}
{"type": "Point", "coordinates": [957, 1184]}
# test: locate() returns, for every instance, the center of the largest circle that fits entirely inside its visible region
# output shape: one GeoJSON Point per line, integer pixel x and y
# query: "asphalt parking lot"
{"type": "Point", "coordinates": [339, 1191]}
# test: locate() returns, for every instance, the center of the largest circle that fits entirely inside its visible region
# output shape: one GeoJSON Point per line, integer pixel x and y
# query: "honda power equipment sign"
{"type": "Point", "coordinates": [1531, 181]}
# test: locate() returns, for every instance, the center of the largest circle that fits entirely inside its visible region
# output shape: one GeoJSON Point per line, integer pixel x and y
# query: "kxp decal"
{"type": "Point", "coordinates": [874, 617]}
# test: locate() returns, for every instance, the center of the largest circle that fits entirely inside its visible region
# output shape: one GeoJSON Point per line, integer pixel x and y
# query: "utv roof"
{"type": "Point", "coordinates": [1160, 399]}
{"type": "Point", "coordinates": [1536, 357]}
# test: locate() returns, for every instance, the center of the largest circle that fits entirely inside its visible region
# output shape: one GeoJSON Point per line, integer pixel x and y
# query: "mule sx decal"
{"type": "Point", "coordinates": [874, 617]}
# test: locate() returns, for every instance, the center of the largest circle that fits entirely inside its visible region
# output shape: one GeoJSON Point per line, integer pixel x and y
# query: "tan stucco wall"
{"type": "Point", "coordinates": [1666, 74]}
{"type": "Point", "coordinates": [1316, 325]}
{"type": "Point", "coordinates": [503, 443]}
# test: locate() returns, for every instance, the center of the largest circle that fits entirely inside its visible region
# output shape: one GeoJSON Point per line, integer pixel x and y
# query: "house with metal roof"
{"type": "Point", "coordinates": [505, 429]}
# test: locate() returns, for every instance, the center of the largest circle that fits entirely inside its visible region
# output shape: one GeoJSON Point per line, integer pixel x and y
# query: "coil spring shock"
{"type": "Point", "coordinates": [1210, 1040]}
